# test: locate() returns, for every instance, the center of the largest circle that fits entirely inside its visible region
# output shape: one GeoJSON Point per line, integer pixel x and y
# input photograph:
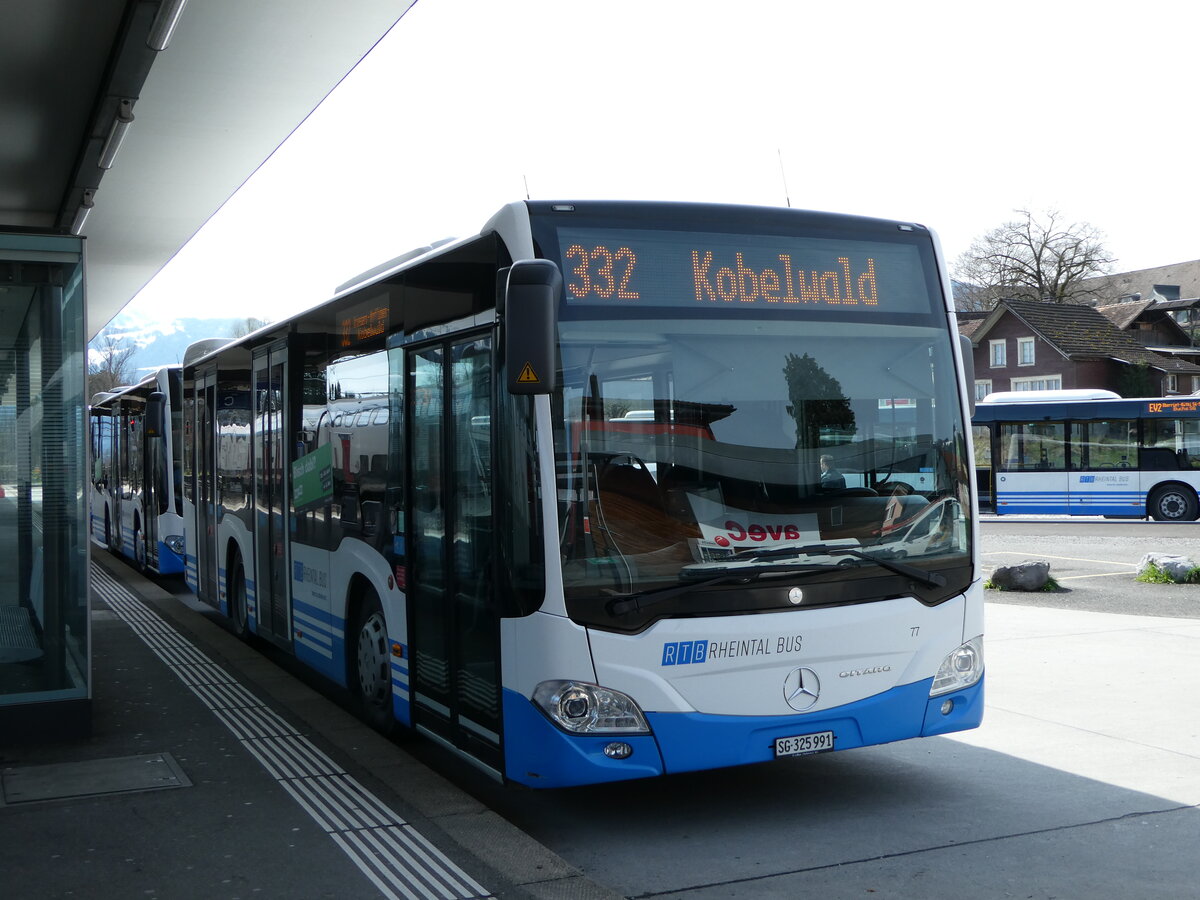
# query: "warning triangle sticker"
{"type": "Point", "coordinates": [528, 376]}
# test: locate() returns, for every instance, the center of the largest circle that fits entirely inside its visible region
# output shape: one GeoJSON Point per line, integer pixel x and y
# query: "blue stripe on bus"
{"type": "Point", "coordinates": [401, 692]}
{"type": "Point", "coordinates": [1122, 503]}
{"type": "Point", "coordinates": [1045, 509]}
{"type": "Point", "coordinates": [319, 640]}
{"type": "Point", "coordinates": [1074, 495]}
{"type": "Point", "coordinates": [169, 562]}
{"type": "Point", "coordinates": [539, 754]}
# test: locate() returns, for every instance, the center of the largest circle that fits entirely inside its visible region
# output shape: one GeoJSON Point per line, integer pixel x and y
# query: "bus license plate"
{"type": "Point", "coordinates": [800, 744]}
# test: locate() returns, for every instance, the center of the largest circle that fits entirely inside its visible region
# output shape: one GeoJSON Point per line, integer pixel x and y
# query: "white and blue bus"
{"type": "Point", "coordinates": [1092, 455]}
{"type": "Point", "coordinates": [136, 496]}
{"type": "Point", "coordinates": [552, 496]}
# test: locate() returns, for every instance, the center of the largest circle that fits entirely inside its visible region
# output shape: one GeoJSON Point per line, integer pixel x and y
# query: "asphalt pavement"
{"type": "Point", "coordinates": [1094, 563]}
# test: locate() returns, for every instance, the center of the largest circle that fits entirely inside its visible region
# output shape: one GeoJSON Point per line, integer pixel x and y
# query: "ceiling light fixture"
{"type": "Point", "coordinates": [85, 207]}
{"type": "Point", "coordinates": [164, 23]}
{"type": "Point", "coordinates": [116, 134]}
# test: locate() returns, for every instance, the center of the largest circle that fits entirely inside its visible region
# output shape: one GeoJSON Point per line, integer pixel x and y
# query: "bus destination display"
{"type": "Point", "coordinates": [1184, 406]}
{"type": "Point", "coordinates": [362, 323]}
{"type": "Point", "coordinates": [603, 267]}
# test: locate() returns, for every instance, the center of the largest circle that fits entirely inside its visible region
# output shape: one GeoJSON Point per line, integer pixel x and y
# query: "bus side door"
{"type": "Point", "coordinates": [206, 486]}
{"type": "Point", "coordinates": [1032, 468]}
{"type": "Point", "coordinates": [270, 451]}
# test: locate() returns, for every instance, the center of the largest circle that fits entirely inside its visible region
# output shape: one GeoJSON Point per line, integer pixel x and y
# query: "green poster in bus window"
{"type": "Point", "coordinates": [312, 479]}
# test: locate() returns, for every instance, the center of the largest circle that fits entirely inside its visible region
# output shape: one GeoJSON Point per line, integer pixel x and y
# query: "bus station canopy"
{"type": "Point", "coordinates": [234, 80]}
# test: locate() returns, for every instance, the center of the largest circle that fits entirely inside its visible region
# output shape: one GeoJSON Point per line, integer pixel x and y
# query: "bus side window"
{"type": "Point", "coordinates": [1034, 446]}
{"type": "Point", "coordinates": [357, 399]}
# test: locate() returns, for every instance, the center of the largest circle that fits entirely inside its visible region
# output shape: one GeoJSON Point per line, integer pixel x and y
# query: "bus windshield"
{"type": "Point", "coordinates": [747, 396]}
{"type": "Point", "coordinates": [689, 447]}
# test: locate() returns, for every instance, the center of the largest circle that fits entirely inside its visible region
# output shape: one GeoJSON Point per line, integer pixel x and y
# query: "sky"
{"type": "Point", "coordinates": [951, 114]}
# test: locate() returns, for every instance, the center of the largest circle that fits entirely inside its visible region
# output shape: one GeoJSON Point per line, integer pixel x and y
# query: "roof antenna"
{"type": "Point", "coordinates": [526, 178]}
{"type": "Point", "coordinates": [782, 174]}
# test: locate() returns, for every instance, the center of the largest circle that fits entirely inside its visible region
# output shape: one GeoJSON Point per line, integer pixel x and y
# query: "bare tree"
{"type": "Point", "coordinates": [247, 326]}
{"type": "Point", "coordinates": [1031, 258]}
{"type": "Point", "coordinates": [108, 364]}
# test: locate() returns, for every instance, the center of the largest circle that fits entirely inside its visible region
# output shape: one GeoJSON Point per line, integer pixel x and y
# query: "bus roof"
{"type": "Point", "coordinates": [1035, 410]}
{"type": "Point", "coordinates": [511, 224]}
{"type": "Point", "coordinates": [1050, 395]}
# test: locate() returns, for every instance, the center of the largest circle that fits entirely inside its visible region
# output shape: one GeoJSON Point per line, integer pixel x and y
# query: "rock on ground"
{"type": "Point", "coordinates": [1179, 568]}
{"type": "Point", "coordinates": [1030, 575]}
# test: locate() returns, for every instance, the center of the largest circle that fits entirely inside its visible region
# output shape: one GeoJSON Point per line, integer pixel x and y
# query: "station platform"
{"type": "Point", "coordinates": [211, 772]}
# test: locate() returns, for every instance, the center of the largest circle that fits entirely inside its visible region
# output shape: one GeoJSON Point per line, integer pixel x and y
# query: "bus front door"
{"type": "Point", "coordinates": [270, 503]}
{"type": "Point", "coordinates": [454, 627]}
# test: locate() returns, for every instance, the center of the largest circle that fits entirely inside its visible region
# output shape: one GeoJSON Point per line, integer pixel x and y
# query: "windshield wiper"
{"type": "Point", "coordinates": [928, 579]}
{"type": "Point", "coordinates": [621, 604]}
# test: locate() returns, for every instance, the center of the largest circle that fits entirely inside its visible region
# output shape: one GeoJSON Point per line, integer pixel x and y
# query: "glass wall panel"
{"type": "Point", "coordinates": [44, 653]}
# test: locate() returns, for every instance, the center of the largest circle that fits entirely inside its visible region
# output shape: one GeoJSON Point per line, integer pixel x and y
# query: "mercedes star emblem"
{"type": "Point", "coordinates": [801, 688]}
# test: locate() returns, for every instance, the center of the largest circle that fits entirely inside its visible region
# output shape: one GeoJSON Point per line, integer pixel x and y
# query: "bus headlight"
{"type": "Point", "coordinates": [174, 543]}
{"type": "Point", "coordinates": [960, 669]}
{"type": "Point", "coordinates": [583, 708]}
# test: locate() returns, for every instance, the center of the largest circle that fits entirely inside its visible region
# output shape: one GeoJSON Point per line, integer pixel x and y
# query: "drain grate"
{"type": "Point", "coordinates": [91, 778]}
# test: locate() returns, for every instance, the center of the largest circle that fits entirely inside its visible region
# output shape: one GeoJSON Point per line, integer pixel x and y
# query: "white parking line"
{"type": "Point", "coordinates": [1068, 558]}
{"type": "Point", "coordinates": [1097, 575]}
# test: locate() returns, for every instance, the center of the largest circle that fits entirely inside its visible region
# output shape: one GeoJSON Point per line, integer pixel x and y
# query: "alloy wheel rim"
{"type": "Point", "coordinates": [372, 659]}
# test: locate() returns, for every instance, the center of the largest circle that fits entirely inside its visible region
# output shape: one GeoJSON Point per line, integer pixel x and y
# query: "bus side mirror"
{"type": "Point", "coordinates": [155, 424]}
{"type": "Point", "coordinates": [968, 356]}
{"type": "Point", "coordinates": [530, 316]}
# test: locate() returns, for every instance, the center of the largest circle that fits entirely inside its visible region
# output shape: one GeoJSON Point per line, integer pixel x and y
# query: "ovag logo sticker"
{"type": "Point", "coordinates": [683, 653]}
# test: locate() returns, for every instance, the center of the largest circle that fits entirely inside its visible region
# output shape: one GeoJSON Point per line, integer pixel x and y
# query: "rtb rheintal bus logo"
{"type": "Point", "coordinates": [686, 653]}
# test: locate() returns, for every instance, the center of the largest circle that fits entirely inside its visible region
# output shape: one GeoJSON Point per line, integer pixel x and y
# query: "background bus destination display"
{"type": "Point", "coordinates": [617, 267]}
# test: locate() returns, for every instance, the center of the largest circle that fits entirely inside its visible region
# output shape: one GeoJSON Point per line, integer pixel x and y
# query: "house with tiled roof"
{"type": "Point", "coordinates": [1030, 345]}
{"type": "Point", "coordinates": [1171, 282]}
{"type": "Point", "coordinates": [1155, 325]}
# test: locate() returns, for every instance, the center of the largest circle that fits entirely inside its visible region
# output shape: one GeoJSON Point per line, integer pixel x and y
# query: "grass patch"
{"type": "Point", "coordinates": [1158, 575]}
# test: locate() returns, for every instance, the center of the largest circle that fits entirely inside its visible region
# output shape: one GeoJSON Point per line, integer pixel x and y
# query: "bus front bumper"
{"type": "Point", "coordinates": [538, 754]}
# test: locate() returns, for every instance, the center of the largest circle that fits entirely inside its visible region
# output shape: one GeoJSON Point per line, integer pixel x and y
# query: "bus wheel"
{"type": "Point", "coordinates": [372, 662]}
{"type": "Point", "coordinates": [238, 617]}
{"type": "Point", "coordinates": [1173, 503]}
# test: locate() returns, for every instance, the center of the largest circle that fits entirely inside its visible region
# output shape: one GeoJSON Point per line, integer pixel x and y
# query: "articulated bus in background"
{"type": "Point", "coordinates": [136, 494]}
{"type": "Point", "coordinates": [1088, 453]}
{"type": "Point", "coordinates": [551, 495]}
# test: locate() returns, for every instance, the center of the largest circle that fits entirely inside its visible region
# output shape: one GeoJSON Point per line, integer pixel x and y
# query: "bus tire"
{"type": "Point", "coordinates": [371, 664]}
{"type": "Point", "coordinates": [1173, 503]}
{"type": "Point", "coordinates": [239, 619]}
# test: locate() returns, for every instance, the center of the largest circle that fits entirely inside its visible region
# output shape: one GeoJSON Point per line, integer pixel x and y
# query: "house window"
{"type": "Point", "coordinates": [1038, 383]}
{"type": "Point", "coordinates": [999, 353]}
{"type": "Point", "coordinates": [1025, 351]}
{"type": "Point", "coordinates": [983, 388]}
{"type": "Point", "coordinates": [1172, 383]}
